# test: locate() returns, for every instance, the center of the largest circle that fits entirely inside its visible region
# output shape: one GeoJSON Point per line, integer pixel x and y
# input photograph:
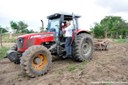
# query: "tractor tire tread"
{"type": "Point", "coordinates": [76, 50]}
{"type": "Point", "coordinates": [26, 69]}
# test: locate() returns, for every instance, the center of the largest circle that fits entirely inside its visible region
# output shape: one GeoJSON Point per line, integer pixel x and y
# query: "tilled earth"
{"type": "Point", "coordinates": [106, 68]}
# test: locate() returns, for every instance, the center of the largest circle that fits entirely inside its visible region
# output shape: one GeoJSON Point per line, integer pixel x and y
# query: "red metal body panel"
{"type": "Point", "coordinates": [81, 31]}
{"type": "Point", "coordinates": [36, 39]}
{"type": "Point", "coordinates": [78, 31]}
{"type": "Point", "coordinates": [39, 38]}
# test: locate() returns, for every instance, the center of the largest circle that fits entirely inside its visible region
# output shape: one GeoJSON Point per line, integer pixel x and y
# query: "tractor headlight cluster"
{"type": "Point", "coordinates": [20, 42]}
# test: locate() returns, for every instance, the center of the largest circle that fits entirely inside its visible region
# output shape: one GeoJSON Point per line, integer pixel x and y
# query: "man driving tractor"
{"type": "Point", "coordinates": [68, 30]}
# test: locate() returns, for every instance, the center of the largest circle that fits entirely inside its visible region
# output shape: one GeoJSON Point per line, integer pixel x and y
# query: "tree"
{"type": "Point", "coordinates": [3, 30]}
{"type": "Point", "coordinates": [22, 27]}
{"type": "Point", "coordinates": [14, 26]}
{"type": "Point", "coordinates": [19, 27]}
{"type": "Point", "coordinates": [31, 31]}
{"type": "Point", "coordinates": [110, 25]}
{"type": "Point", "coordinates": [98, 31]}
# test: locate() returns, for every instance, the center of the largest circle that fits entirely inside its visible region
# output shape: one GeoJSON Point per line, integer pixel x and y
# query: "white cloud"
{"type": "Point", "coordinates": [115, 6]}
{"type": "Point", "coordinates": [32, 11]}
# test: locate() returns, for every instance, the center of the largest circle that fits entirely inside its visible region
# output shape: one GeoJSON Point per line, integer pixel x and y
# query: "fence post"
{"type": "Point", "coordinates": [1, 38]}
{"type": "Point", "coordinates": [106, 34]}
{"type": "Point", "coordinates": [10, 35]}
{"type": "Point", "coordinates": [92, 34]}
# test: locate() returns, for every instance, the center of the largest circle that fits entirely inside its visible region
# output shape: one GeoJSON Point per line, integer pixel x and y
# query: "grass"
{"type": "Point", "coordinates": [6, 39]}
{"type": "Point", "coordinates": [3, 51]}
{"type": "Point", "coordinates": [72, 67]}
{"type": "Point", "coordinates": [120, 40]}
{"type": "Point", "coordinates": [76, 67]}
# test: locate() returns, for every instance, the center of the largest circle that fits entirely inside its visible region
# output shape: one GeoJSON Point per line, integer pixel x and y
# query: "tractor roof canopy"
{"type": "Point", "coordinates": [66, 16]}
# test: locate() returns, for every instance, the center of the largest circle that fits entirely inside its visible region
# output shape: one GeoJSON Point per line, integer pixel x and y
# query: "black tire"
{"type": "Point", "coordinates": [83, 47]}
{"type": "Point", "coordinates": [31, 64]}
{"type": "Point", "coordinates": [12, 54]}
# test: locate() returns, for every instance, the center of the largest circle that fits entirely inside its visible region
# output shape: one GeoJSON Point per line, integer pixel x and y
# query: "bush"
{"type": "Point", "coordinates": [3, 51]}
{"type": "Point", "coordinates": [120, 40]}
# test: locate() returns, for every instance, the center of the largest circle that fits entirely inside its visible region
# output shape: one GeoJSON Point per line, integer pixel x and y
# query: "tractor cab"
{"type": "Point", "coordinates": [57, 20]}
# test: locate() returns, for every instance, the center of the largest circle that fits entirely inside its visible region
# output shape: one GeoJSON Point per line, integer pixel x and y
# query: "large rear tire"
{"type": "Point", "coordinates": [36, 61]}
{"type": "Point", "coordinates": [83, 47]}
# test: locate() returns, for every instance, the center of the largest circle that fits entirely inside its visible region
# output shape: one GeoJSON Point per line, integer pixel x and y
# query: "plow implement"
{"type": "Point", "coordinates": [101, 45]}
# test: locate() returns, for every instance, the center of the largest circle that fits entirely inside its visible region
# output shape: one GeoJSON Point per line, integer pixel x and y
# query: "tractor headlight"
{"type": "Point", "coordinates": [20, 42]}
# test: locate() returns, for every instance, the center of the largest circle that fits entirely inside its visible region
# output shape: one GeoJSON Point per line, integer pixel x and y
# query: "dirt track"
{"type": "Point", "coordinates": [106, 66]}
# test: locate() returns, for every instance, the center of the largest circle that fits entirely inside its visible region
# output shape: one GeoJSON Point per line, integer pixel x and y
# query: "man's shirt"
{"type": "Point", "coordinates": [68, 31]}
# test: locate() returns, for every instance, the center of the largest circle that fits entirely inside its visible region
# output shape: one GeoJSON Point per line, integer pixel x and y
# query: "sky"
{"type": "Point", "coordinates": [32, 11]}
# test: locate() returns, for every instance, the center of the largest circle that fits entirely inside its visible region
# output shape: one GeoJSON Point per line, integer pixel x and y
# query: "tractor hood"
{"type": "Point", "coordinates": [27, 40]}
{"type": "Point", "coordinates": [37, 35]}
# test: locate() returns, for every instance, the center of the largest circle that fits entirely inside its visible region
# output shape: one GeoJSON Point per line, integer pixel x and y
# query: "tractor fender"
{"type": "Point", "coordinates": [81, 31]}
{"type": "Point", "coordinates": [77, 32]}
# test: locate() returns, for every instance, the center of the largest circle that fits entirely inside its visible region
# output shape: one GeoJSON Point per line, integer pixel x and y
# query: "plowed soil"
{"type": "Point", "coordinates": [106, 68]}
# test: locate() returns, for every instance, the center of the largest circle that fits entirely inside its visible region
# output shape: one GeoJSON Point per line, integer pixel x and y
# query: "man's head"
{"type": "Point", "coordinates": [68, 23]}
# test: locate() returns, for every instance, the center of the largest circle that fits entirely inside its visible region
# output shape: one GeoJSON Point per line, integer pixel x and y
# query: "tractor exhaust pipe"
{"type": "Point", "coordinates": [42, 27]}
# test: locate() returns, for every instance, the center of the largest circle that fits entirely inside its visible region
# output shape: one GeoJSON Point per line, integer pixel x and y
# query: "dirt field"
{"type": "Point", "coordinates": [106, 68]}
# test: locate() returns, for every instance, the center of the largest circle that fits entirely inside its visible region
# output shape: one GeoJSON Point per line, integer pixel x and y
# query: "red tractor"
{"type": "Point", "coordinates": [34, 51]}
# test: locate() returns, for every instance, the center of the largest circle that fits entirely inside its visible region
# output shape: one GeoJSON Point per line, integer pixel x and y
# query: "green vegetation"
{"type": "Point", "coordinates": [6, 39]}
{"type": "Point", "coordinates": [3, 30]}
{"type": "Point", "coordinates": [111, 26]}
{"type": "Point", "coordinates": [119, 40]}
{"type": "Point", "coordinates": [20, 27]}
{"type": "Point", "coordinates": [72, 67]}
{"type": "Point", "coordinates": [3, 51]}
{"type": "Point", "coordinates": [76, 67]}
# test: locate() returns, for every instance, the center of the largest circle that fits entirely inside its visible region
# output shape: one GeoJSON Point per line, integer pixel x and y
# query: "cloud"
{"type": "Point", "coordinates": [32, 11]}
{"type": "Point", "coordinates": [114, 6]}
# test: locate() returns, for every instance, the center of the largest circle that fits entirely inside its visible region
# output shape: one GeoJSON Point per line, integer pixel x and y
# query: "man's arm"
{"type": "Point", "coordinates": [69, 28]}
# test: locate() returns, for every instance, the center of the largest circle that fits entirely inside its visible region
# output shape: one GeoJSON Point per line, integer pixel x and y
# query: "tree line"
{"type": "Point", "coordinates": [110, 26]}
{"type": "Point", "coordinates": [17, 27]}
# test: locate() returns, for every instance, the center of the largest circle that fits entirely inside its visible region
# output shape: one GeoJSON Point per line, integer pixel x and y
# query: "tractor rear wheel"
{"type": "Point", "coordinates": [36, 61]}
{"type": "Point", "coordinates": [83, 47]}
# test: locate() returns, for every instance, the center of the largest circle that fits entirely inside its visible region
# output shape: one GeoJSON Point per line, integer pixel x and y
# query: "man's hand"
{"type": "Point", "coordinates": [63, 30]}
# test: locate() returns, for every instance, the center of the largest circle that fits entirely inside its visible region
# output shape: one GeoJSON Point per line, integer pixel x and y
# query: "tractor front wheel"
{"type": "Point", "coordinates": [36, 61]}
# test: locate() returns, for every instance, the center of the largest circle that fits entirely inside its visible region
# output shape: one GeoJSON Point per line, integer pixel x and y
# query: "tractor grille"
{"type": "Point", "coordinates": [20, 42]}
{"type": "Point", "coordinates": [30, 42]}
